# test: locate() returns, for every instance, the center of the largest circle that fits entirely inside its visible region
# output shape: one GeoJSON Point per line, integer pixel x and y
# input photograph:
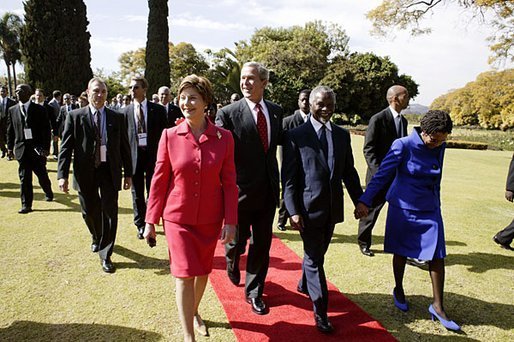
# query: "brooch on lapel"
{"type": "Point", "coordinates": [218, 133]}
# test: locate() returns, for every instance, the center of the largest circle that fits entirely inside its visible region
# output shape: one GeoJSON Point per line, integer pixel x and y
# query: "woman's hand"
{"type": "Point", "coordinates": [149, 231]}
{"type": "Point", "coordinates": [361, 210]}
{"type": "Point", "coordinates": [228, 233]}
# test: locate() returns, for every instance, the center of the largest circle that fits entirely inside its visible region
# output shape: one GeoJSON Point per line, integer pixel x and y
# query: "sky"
{"type": "Point", "coordinates": [452, 55]}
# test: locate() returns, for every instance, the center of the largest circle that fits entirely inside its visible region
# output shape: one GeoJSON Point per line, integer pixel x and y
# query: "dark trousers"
{"type": "Point", "coordinates": [55, 146]}
{"type": "Point", "coordinates": [315, 244]}
{"type": "Point", "coordinates": [99, 203]}
{"type": "Point", "coordinates": [31, 162]}
{"type": "Point", "coordinates": [506, 235]}
{"type": "Point", "coordinates": [283, 215]}
{"type": "Point", "coordinates": [144, 172]}
{"type": "Point", "coordinates": [366, 225]}
{"type": "Point", "coordinates": [260, 220]}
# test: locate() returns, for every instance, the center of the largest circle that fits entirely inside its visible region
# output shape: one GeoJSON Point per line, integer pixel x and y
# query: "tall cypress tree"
{"type": "Point", "coordinates": [55, 45]}
{"type": "Point", "coordinates": [157, 56]}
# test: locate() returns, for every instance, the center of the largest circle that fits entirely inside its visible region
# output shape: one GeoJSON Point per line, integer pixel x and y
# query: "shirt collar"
{"type": "Point", "coordinates": [93, 109]}
{"type": "Point", "coordinates": [395, 113]}
{"type": "Point", "coordinates": [253, 104]}
{"type": "Point", "coordinates": [304, 116]}
{"type": "Point", "coordinates": [142, 104]}
{"type": "Point", "coordinates": [317, 125]}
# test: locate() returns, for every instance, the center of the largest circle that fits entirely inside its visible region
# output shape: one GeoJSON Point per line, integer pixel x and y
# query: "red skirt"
{"type": "Point", "coordinates": [191, 247]}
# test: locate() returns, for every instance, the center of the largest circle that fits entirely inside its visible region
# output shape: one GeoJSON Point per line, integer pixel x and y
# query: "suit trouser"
{"type": "Point", "coordinates": [506, 235]}
{"type": "Point", "coordinates": [261, 221]}
{"type": "Point", "coordinates": [366, 225]}
{"type": "Point", "coordinates": [99, 203]}
{"type": "Point", "coordinates": [315, 244]}
{"type": "Point", "coordinates": [55, 145]}
{"type": "Point", "coordinates": [143, 172]}
{"type": "Point", "coordinates": [31, 162]}
{"type": "Point", "coordinates": [283, 215]}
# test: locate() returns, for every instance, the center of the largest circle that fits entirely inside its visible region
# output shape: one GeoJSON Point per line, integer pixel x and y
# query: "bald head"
{"type": "Point", "coordinates": [398, 97]}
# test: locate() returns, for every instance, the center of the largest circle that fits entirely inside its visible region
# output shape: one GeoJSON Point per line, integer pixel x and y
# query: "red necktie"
{"type": "Point", "coordinates": [262, 127]}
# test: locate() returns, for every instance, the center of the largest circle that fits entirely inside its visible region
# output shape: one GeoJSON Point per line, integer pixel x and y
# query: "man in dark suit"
{"type": "Point", "coordinates": [5, 104]}
{"type": "Point", "coordinates": [298, 118]}
{"type": "Point", "coordinates": [55, 106]}
{"type": "Point", "coordinates": [28, 136]}
{"type": "Point", "coordinates": [66, 107]}
{"type": "Point", "coordinates": [173, 113]}
{"type": "Point", "coordinates": [317, 158]}
{"type": "Point", "coordinates": [145, 122]}
{"type": "Point", "coordinates": [256, 125]}
{"type": "Point", "coordinates": [504, 237]}
{"type": "Point", "coordinates": [96, 137]}
{"type": "Point", "coordinates": [383, 128]}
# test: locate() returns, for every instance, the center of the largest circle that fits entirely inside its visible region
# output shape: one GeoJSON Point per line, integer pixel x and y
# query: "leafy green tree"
{"type": "Point", "coordinates": [157, 53]}
{"type": "Point", "coordinates": [132, 63]}
{"type": "Point", "coordinates": [114, 83]}
{"type": "Point", "coordinates": [224, 74]}
{"type": "Point", "coordinates": [55, 44]}
{"type": "Point", "coordinates": [408, 14]}
{"type": "Point", "coordinates": [10, 29]}
{"type": "Point", "coordinates": [361, 81]}
{"type": "Point", "coordinates": [297, 57]}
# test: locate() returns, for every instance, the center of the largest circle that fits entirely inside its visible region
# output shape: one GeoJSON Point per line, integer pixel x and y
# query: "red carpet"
{"type": "Point", "coordinates": [290, 317]}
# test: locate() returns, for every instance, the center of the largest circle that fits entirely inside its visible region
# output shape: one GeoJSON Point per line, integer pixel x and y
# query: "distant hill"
{"type": "Point", "coordinates": [415, 108]}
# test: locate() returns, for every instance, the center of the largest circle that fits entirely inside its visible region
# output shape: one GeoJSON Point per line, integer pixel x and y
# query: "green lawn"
{"type": "Point", "coordinates": [53, 289]}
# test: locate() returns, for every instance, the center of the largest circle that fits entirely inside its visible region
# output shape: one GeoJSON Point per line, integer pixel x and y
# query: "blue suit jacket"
{"type": "Point", "coordinates": [310, 188]}
{"type": "Point", "coordinates": [415, 171]}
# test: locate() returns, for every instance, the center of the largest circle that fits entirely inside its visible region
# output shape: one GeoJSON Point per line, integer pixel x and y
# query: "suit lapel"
{"type": "Point", "coordinates": [298, 118]}
{"type": "Point", "coordinates": [273, 125]}
{"type": "Point", "coordinates": [314, 142]}
{"type": "Point", "coordinates": [337, 143]}
{"type": "Point", "coordinates": [390, 122]}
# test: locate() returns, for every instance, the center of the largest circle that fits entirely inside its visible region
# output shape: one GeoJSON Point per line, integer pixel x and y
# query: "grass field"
{"type": "Point", "coordinates": [52, 287]}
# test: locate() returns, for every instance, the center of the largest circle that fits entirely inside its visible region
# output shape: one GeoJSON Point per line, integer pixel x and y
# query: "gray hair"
{"type": "Point", "coordinates": [321, 90]}
{"type": "Point", "coordinates": [261, 69]}
{"type": "Point", "coordinates": [96, 79]}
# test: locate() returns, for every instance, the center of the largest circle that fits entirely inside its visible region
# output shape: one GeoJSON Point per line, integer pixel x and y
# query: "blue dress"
{"type": "Point", "coordinates": [414, 225]}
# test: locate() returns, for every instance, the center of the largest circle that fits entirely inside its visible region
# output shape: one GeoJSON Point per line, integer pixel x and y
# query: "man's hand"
{"type": "Point", "coordinates": [127, 183]}
{"type": "Point", "coordinates": [228, 233]}
{"type": "Point", "coordinates": [63, 185]}
{"type": "Point", "coordinates": [296, 222]}
{"type": "Point", "coordinates": [509, 195]}
{"type": "Point", "coordinates": [361, 210]}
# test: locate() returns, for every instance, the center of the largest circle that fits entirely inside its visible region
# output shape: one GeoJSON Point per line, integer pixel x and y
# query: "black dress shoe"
{"type": "Point", "coordinates": [258, 305]}
{"type": "Point", "coordinates": [140, 232]}
{"type": "Point", "coordinates": [234, 275]}
{"type": "Point", "coordinates": [94, 247]}
{"type": "Point", "coordinates": [302, 290]}
{"type": "Point", "coordinates": [49, 198]}
{"type": "Point", "coordinates": [323, 324]}
{"type": "Point", "coordinates": [502, 245]}
{"type": "Point", "coordinates": [107, 266]}
{"type": "Point", "coordinates": [282, 228]}
{"type": "Point", "coordinates": [24, 210]}
{"type": "Point", "coordinates": [366, 251]}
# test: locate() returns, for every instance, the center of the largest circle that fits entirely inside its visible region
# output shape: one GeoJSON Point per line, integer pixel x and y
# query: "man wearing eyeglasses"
{"type": "Point", "coordinates": [383, 128]}
{"type": "Point", "coordinates": [145, 122]}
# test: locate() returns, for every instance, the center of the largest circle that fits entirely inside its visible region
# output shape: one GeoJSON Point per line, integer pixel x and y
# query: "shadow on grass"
{"type": "Point", "coordinates": [5, 186]}
{"type": "Point", "coordinates": [142, 261]}
{"type": "Point", "coordinates": [35, 331]}
{"type": "Point", "coordinates": [481, 262]}
{"type": "Point", "coordinates": [466, 311]}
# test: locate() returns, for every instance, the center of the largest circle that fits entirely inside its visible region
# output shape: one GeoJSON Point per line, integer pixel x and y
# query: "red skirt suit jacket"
{"type": "Point", "coordinates": [194, 182]}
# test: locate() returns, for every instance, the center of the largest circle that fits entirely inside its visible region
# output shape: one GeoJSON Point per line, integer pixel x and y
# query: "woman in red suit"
{"type": "Point", "coordinates": [194, 190]}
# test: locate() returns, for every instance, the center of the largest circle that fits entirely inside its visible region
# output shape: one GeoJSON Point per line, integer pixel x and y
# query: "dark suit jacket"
{"type": "Point", "coordinates": [310, 189]}
{"type": "Point", "coordinates": [3, 119]}
{"type": "Point", "coordinates": [78, 139]}
{"type": "Point", "coordinates": [61, 119]}
{"type": "Point", "coordinates": [256, 170]}
{"type": "Point", "coordinates": [173, 113]}
{"type": "Point", "coordinates": [37, 121]}
{"type": "Point", "coordinates": [292, 121]}
{"type": "Point", "coordinates": [156, 122]}
{"type": "Point", "coordinates": [510, 176]}
{"type": "Point", "coordinates": [380, 135]}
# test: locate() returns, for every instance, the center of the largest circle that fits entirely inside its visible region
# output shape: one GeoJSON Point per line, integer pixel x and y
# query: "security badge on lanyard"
{"type": "Point", "coordinates": [27, 132]}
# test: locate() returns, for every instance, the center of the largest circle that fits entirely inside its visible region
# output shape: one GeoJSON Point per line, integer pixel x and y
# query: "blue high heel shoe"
{"type": "Point", "coordinates": [450, 325]}
{"type": "Point", "coordinates": [402, 306]}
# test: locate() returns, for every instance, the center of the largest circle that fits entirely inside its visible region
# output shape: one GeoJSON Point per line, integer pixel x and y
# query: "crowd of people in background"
{"type": "Point", "coordinates": [206, 170]}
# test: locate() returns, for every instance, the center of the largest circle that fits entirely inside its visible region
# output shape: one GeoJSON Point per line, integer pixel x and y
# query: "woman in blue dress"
{"type": "Point", "coordinates": [414, 225]}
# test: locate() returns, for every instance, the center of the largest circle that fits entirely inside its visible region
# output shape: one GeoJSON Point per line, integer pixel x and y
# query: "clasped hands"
{"type": "Point", "coordinates": [361, 210]}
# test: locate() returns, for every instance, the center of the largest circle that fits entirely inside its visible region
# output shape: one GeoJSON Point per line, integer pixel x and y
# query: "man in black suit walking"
{"type": "Point", "coordinates": [383, 128]}
{"type": "Point", "coordinates": [96, 137]}
{"type": "Point", "coordinates": [145, 122]}
{"type": "Point", "coordinates": [256, 125]}
{"type": "Point", "coordinates": [298, 118]}
{"type": "Point", "coordinates": [317, 159]}
{"type": "Point", "coordinates": [5, 104]}
{"type": "Point", "coordinates": [173, 113]}
{"type": "Point", "coordinates": [28, 136]}
{"type": "Point", "coordinates": [504, 237]}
